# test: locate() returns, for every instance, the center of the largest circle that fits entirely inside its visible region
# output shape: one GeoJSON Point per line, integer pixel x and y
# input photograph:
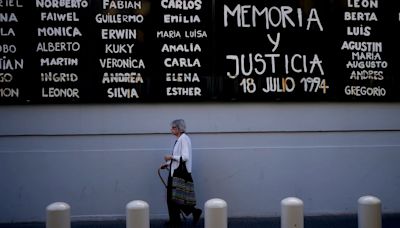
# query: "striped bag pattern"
{"type": "Point", "coordinates": [183, 192]}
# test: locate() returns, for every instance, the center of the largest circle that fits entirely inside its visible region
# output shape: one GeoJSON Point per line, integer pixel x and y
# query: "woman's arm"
{"type": "Point", "coordinates": [182, 149]}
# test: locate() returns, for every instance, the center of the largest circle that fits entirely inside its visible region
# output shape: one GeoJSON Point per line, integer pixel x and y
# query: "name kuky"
{"type": "Point", "coordinates": [119, 48]}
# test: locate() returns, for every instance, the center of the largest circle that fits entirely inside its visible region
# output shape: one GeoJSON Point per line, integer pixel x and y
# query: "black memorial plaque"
{"type": "Point", "coordinates": [182, 47]}
{"type": "Point", "coordinates": [308, 50]}
{"type": "Point", "coordinates": [14, 51]}
{"type": "Point", "coordinates": [121, 32]}
{"type": "Point", "coordinates": [129, 51]}
{"type": "Point", "coordinates": [60, 51]}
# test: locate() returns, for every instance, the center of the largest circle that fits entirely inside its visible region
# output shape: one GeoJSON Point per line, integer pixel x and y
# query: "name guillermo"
{"type": "Point", "coordinates": [118, 18]}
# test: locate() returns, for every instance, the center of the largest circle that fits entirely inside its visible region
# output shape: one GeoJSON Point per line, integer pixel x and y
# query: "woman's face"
{"type": "Point", "coordinates": [175, 131]}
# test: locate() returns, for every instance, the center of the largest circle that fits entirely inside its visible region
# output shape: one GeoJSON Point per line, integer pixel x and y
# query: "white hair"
{"type": "Point", "coordinates": [179, 124]}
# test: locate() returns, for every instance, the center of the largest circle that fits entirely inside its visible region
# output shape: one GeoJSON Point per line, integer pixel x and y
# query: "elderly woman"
{"type": "Point", "coordinates": [182, 150]}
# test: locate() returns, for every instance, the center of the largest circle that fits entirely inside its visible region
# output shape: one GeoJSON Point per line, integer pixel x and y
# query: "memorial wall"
{"type": "Point", "coordinates": [127, 51]}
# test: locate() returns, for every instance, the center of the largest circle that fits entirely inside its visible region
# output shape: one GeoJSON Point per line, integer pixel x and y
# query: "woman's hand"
{"type": "Point", "coordinates": [168, 157]}
{"type": "Point", "coordinates": [164, 166]}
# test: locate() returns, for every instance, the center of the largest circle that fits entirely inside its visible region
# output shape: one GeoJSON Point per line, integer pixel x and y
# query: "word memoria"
{"type": "Point", "coordinates": [247, 16]}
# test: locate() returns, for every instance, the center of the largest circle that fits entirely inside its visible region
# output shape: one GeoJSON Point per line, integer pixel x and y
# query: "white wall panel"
{"type": "Point", "coordinates": [98, 158]}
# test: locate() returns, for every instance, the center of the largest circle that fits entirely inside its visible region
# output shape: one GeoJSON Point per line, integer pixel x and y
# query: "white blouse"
{"type": "Point", "coordinates": [182, 148]}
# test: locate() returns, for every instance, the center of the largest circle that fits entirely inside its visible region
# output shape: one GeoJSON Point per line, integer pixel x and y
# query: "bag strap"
{"type": "Point", "coordinates": [170, 164]}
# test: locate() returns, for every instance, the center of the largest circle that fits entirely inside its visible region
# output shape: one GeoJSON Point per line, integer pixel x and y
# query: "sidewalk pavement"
{"type": "Point", "coordinates": [345, 221]}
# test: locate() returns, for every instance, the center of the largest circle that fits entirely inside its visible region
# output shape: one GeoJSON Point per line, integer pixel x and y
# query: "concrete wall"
{"type": "Point", "coordinates": [97, 158]}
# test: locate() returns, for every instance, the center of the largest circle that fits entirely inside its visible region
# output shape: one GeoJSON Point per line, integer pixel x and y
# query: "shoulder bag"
{"type": "Point", "coordinates": [182, 186]}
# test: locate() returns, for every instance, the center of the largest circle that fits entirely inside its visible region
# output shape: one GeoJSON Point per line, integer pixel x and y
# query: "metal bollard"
{"type": "Point", "coordinates": [137, 214]}
{"type": "Point", "coordinates": [216, 214]}
{"type": "Point", "coordinates": [58, 215]}
{"type": "Point", "coordinates": [292, 213]}
{"type": "Point", "coordinates": [369, 212]}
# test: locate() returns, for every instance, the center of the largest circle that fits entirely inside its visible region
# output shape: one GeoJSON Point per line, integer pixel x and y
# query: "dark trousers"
{"type": "Point", "coordinates": [174, 210]}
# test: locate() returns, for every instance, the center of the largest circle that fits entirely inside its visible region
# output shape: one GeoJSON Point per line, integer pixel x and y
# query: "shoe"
{"type": "Point", "coordinates": [196, 215]}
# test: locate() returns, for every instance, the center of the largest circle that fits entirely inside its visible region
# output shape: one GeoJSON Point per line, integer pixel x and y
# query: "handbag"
{"type": "Point", "coordinates": [183, 186]}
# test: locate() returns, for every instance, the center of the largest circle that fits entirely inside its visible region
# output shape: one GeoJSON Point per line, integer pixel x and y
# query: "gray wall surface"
{"type": "Point", "coordinates": [97, 158]}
